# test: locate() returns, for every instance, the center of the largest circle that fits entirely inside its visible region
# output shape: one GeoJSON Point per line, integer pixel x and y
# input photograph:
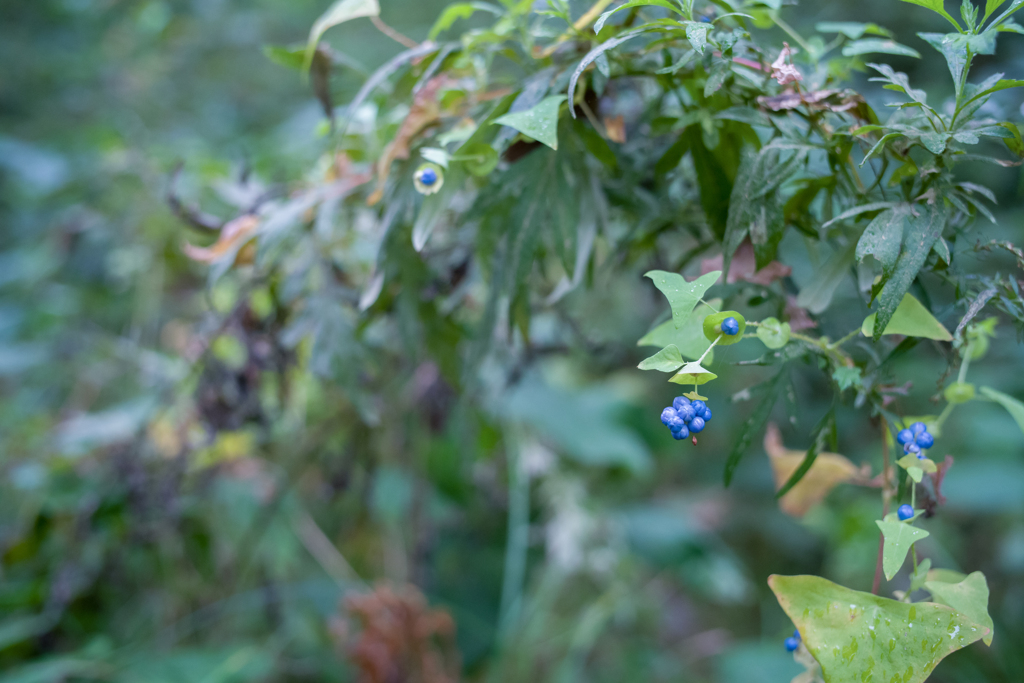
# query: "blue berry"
{"type": "Point", "coordinates": [679, 401]}
{"type": "Point", "coordinates": [696, 424]}
{"type": "Point", "coordinates": [905, 512]}
{"type": "Point", "coordinates": [905, 437]}
{"type": "Point", "coordinates": [707, 414]}
{"type": "Point", "coordinates": [730, 326]}
{"type": "Point", "coordinates": [792, 644]}
{"type": "Point", "coordinates": [698, 407]}
{"type": "Point", "coordinates": [676, 423]}
{"type": "Point", "coordinates": [925, 440]}
{"type": "Point", "coordinates": [428, 176]}
{"type": "Point", "coordinates": [687, 413]}
{"type": "Point", "coordinates": [918, 428]}
{"type": "Point", "coordinates": [681, 434]}
{"type": "Point", "coordinates": [667, 415]}
{"type": "Point", "coordinates": [912, 448]}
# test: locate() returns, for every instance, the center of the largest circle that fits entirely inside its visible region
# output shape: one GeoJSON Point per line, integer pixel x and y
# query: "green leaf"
{"type": "Point", "coordinates": [969, 597]}
{"type": "Point", "coordinates": [865, 208]}
{"type": "Point", "coordinates": [1012, 405]}
{"type": "Point", "coordinates": [754, 424]}
{"type": "Point", "coordinates": [899, 537]}
{"type": "Point", "coordinates": [479, 157]}
{"type": "Point", "coordinates": [919, 576]}
{"type": "Point", "coordinates": [847, 377]}
{"type": "Point", "coordinates": [910, 319]}
{"type": "Point", "coordinates": [1002, 84]}
{"type": "Point", "coordinates": [867, 46]}
{"type": "Point", "coordinates": [540, 122]}
{"type": "Point", "coordinates": [682, 296]}
{"type": "Point", "coordinates": [693, 373]}
{"type": "Point", "coordinates": [697, 34]}
{"type": "Point", "coordinates": [338, 13]}
{"type": "Point", "coordinates": [597, 52]}
{"type": "Point", "coordinates": [667, 360]}
{"type": "Point", "coordinates": [883, 237]}
{"type": "Point", "coordinates": [921, 232]}
{"type": "Point", "coordinates": [851, 29]}
{"type": "Point", "coordinates": [688, 337]}
{"type": "Point", "coordinates": [824, 429]}
{"type": "Point", "coordinates": [955, 47]}
{"type": "Point", "coordinates": [452, 13]}
{"type": "Point", "coordinates": [816, 295]}
{"type": "Point", "coordinates": [599, 24]}
{"type": "Point", "coordinates": [991, 6]}
{"type": "Point", "coordinates": [862, 638]}
{"type": "Point", "coordinates": [720, 71]}
{"type": "Point", "coordinates": [773, 333]}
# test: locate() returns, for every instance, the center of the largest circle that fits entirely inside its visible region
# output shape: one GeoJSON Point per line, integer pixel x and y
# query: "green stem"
{"type": "Point", "coordinates": [824, 348]}
{"type": "Point", "coordinates": [792, 34]}
{"type": "Point", "coordinates": [706, 352]}
{"type": "Point", "coordinates": [715, 309]}
{"type": "Point", "coordinates": [840, 342]}
{"type": "Point", "coordinates": [965, 363]}
{"type": "Point", "coordinates": [943, 415]}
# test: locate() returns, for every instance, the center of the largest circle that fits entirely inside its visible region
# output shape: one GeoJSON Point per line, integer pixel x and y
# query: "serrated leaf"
{"type": "Point", "coordinates": [1012, 405]}
{"type": "Point", "coordinates": [862, 638]}
{"type": "Point", "coordinates": [667, 360]}
{"type": "Point", "coordinates": [773, 334]}
{"type": "Point", "coordinates": [829, 470]}
{"type": "Point", "coordinates": [693, 373]}
{"type": "Point", "coordinates": [338, 13]}
{"type": "Point", "coordinates": [899, 538]}
{"type": "Point", "coordinates": [682, 296]}
{"type": "Point", "coordinates": [867, 46]}
{"type": "Point", "coordinates": [883, 237]}
{"type": "Point", "coordinates": [910, 319]}
{"type": "Point", "coordinates": [688, 338]}
{"type": "Point", "coordinates": [920, 234]}
{"type": "Point", "coordinates": [540, 122]}
{"type": "Point", "coordinates": [847, 377]}
{"type": "Point", "coordinates": [969, 597]}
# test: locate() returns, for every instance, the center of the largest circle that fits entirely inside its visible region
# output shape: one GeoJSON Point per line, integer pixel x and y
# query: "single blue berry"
{"type": "Point", "coordinates": [706, 414]}
{"type": "Point", "coordinates": [905, 437]}
{"type": "Point", "coordinates": [667, 415]}
{"type": "Point", "coordinates": [792, 644]}
{"type": "Point", "coordinates": [905, 512]}
{"type": "Point", "coordinates": [687, 413]}
{"type": "Point", "coordinates": [912, 448]}
{"type": "Point", "coordinates": [676, 423]}
{"type": "Point", "coordinates": [925, 440]}
{"type": "Point", "coordinates": [696, 424]}
{"type": "Point", "coordinates": [698, 407]}
{"type": "Point", "coordinates": [681, 434]}
{"type": "Point", "coordinates": [730, 326]}
{"type": "Point", "coordinates": [679, 401]}
{"type": "Point", "coordinates": [796, 634]}
{"type": "Point", "coordinates": [428, 176]}
{"type": "Point", "coordinates": [918, 428]}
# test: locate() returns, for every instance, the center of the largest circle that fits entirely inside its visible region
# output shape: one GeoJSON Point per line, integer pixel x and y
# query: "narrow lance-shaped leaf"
{"type": "Point", "coordinates": [858, 637]}
{"type": "Point", "coordinates": [599, 24]}
{"type": "Point", "coordinates": [921, 232]}
{"type": "Point", "coordinates": [823, 430]}
{"type": "Point", "coordinates": [899, 537]}
{"type": "Point", "coordinates": [754, 424]}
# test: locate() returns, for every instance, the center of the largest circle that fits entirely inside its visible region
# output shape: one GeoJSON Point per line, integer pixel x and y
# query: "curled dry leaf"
{"type": "Point", "coordinates": [828, 470]}
{"type": "Point", "coordinates": [743, 267]}
{"type": "Point", "coordinates": [785, 73]}
{"type": "Point", "coordinates": [233, 236]}
{"type": "Point", "coordinates": [830, 100]}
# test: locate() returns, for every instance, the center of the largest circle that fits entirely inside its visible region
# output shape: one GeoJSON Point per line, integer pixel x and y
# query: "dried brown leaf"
{"type": "Point", "coordinates": [828, 471]}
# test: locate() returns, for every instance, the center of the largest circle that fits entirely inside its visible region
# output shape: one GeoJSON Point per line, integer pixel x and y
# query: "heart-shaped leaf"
{"type": "Point", "coordinates": [858, 637]}
{"type": "Point", "coordinates": [682, 295]}
{"type": "Point", "coordinates": [773, 334]}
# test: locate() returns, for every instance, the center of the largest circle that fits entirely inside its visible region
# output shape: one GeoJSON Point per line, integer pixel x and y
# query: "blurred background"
{"type": "Point", "coordinates": [121, 559]}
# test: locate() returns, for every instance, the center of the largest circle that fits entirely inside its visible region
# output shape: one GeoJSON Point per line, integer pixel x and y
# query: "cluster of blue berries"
{"type": "Point", "coordinates": [915, 439]}
{"type": "Point", "coordinates": [685, 416]}
{"type": "Point", "coordinates": [793, 642]}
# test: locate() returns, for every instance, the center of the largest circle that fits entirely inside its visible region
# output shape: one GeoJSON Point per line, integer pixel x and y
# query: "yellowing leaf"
{"type": "Point", "coordinates": [693, 373]}
{"type": "Point", "coordinates": [910, 319]}
{"type": "Point", "coordinates": [232, 237]}
{"type": "Point", "coordinates": [828, 471]}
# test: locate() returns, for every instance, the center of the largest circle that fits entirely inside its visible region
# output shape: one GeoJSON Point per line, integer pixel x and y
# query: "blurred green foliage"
{"type": "Point", "coordinates": [193, 477]}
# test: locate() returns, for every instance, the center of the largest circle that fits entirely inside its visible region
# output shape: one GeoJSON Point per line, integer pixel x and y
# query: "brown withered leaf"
{"type": "Point", "coordinates": [615, 126]}
{"type": "Point", "coordinates": [424, 111]}
{"type": "Point", "coordinates": [743, 267]}
{"type": "Point", "coordinates": [798, 318]}
{"type": "Point", "coordinates": [234, 234]}
{"type": "Point", "coordinates": [831, 100]}
{"type": "Point", "coordinates": [828, 471]}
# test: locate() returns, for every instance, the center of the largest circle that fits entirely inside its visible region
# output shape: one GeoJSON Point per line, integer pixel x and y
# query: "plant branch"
{"type": "Point", "coordinates": [392, 33]}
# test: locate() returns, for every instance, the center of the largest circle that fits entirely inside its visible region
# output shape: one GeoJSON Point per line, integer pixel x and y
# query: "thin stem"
{"type": "Point", "coordinates": [392, 33]}
{"type": "Point", "coordinates": [886, 496]}
{"type": "Point", "coordinates": [716, 310]}
{"type": "Point", "coordinates": [965, 363]}
{"type": "Point", "coordinates": [944, 414]}
{"type": "Point", "coordinates": [708, 350]}
{"type": "Point", "coordinates": [840, 342]}
{"type": "Point", "coordinates": [825, 348]}
{"type": "Point", "coordinates": [792, 34]}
